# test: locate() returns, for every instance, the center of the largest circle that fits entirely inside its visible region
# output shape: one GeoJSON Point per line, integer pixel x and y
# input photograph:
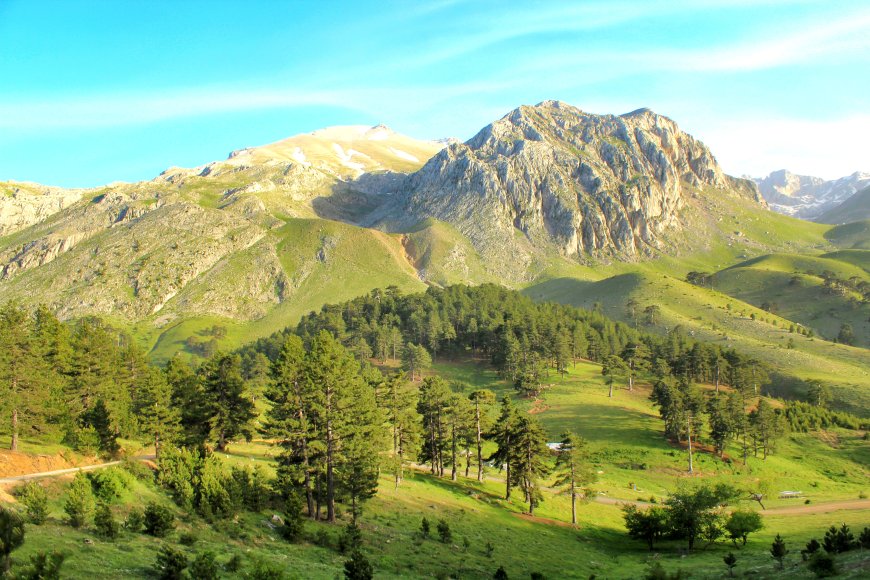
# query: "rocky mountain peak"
{"type": "Point", "coordinates": [587, 184]}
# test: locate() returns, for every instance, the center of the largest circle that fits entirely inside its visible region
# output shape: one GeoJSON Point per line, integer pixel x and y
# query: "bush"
{"type": "Point", "coordinates": [262, 571]}
{"type": "Point", "coordinates": [294, 523]}
{"type": "Point", "coordinates": [350, 539]}
{"type": "Point", "coordinates": [11, 536]}
{"type": "Point", "coordinates": [109, 484]}
{"type": "Point", "coordinates": [35, 499]}
{"type": "Point", "coordinates": [159, 520]}
{"type": "Point", "coordinates": [254, 487]}
{"type": "Point", "coordinates": [137, 469]}
{"type": "Point", "coordinates": [204, 567]}
{"type": "Point", "coordinates": [425, 528]}
{"type": "Point", "coordinates": [500, 574]}
{"type": "Point", "coordinates": [489, 548]}
{"type": "Point", "coordinates": [79, 501]}
{"type": "Point", "coordinates": [822, 565]}
{"type": "Point", "coordinates": [135, 520]}
{"type": "Point", "coordinates": [444, 531]}
{"type": "Point", "coordinates": [187, 539]}
{"type": "Point", "coordinates": [323, 539]}
{"type": "Point", "coordinates": [813, 546]}
{"type": "Point", "coordinates": [170, 564]}
{"type": "Point", "coordinates": [42, 566]}
{"type": "Point", "coordinates": [105, 525]}
{"type": "Point", "coordinates": [742, 523]}
{"type": "Point", "coordinates": [234, 564]}
{"type": "Point", "coordinates": [839, 540]}
{"type": "Point", "coordinates": [358, 567]}
{"type": "Point", "coordinates": [864, 538]}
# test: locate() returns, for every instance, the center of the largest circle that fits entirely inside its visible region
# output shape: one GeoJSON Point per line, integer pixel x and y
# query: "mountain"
{"type": "Point", "coordinates": [856, 208]}
{"type": "Point", "coordinates": [233, 238]}
{"type": "Point", "coordinates": [565, 205]}
{"type": "Point", "coordinates": [808, 197]}
{"type": "Point", "coordinates": [554, 178]}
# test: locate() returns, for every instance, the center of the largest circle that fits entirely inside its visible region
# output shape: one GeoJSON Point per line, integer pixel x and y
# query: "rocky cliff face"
{"type": "Point", "coordinates": [584, 184]}
{"type": "Point", "coordinates": [24, 204]}
{"type": "Point", "coordinates": [808, 197]}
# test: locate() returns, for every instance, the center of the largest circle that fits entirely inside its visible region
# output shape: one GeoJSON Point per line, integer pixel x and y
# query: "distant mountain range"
{"type": "Point", "coordinates": [809, 197]}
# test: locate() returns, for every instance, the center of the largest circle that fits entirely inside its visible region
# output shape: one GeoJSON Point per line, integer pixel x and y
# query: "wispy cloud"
{"type": "Point", "coordinates": [124, 109]}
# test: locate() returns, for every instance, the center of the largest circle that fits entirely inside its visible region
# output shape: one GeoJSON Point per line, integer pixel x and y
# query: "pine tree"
{"type": "Point", "coordinates": [158, 417]}
{"type": "Point", "coordinates": [778, 550]}
{"type": "Point", "coordinates": [435, 398]}
{"type": "Point", "coordinates": [342, 408]}
{"type": "Point", "coordinates": [612, 366]}
{"type": "Point", "coordinates": [400, 403]}
{"type": "Point", "coordinates": [530, 443]}
{"type": "Point", "coordinates": [482, 400]}
{"type": "Point", "coordinates": [288, 419]}
{"type": "Point", "coordinates": [730, 561]}
{"type": "Point", "coordinates": [228, 408]}
{"type": "Point", "coordinates": [572, 472]}
{"type": "Point", "coordinates": [503, 435]}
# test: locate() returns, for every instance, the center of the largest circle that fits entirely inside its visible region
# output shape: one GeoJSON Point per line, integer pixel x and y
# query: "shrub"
{"type": "Point", "coordinates": [105, 525]}
{"type": "Point", "coordinates": [864, 538]}
{"type": "Point", "coordinates": [42, 566]}
{"type": "Point", "coordinates": [234, 564]}
{"type": "Point", "coordinates": [358, 567]}
{"type": "Point", "coordinates": [11, 536]}
{"type": "Point", "coordinates": [742, 523]}
{"type": "Point", "coordinates": [813, 546]}
{"type": "Point", "coordinates": [109, 484]}
{"type": "Point", "coordinates": [839, 540]}
{"type": "Point", "coordinates": [137, 469]}
{"type": "Point", "coordinates": [170, 563]}
{"type": "Point", "coordinates": [204, 567]}
{"type": "Point", "coordinates": [79, 501]}
{"type": "Point", "coordinates": [253, 486]}
{"type": "Point", "coordinates": [489, 549]}
{"type": "Point", "coordinates": [425, 528]}
{"type": "Point", "coordinates": [730, 560]}
{"type": "Point", "coordinates": [778, 550]}
{"type": "Point", "coordinates": [294, 523]}
{"type": "Point", "coordinates": [35, 499]}
{"type": "Point", "coordinates": [187, 539]}
{"type": "Point", "coordinates": [159, 520]}
{"type": "Point", "coordinates": [500, 574]}
{"type": "Point", "coordinates": [822, 565]}
{"type": "Point", "coordinates": [135, 520]}
{"type": "Point", "coordinates": [262, 571]}
{"type": "Point", "coordinates": [444, 531]}
{"type": "Point", "coordinates": [350, 539]}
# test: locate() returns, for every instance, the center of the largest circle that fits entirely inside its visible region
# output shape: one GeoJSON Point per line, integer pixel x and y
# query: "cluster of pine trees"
{"type": "Point", "coordinates": [84, 383]}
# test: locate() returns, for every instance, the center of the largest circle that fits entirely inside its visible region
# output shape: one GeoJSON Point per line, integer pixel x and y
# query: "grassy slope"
{"type": "Point", "coordinates": [621, 431]}
{"type": "Point", "coordinates": [324, 262]}
{"type": "Point", "coordinates": [769, 279]}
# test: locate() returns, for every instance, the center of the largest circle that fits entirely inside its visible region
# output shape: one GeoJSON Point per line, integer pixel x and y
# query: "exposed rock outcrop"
{"type": "Point", "coordinates": [588, 185]}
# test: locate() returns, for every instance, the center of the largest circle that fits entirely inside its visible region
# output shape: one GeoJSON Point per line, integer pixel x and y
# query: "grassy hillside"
{"type": "Point", "coordinates": [627, 451]}
{"type": "Point", "coordinates": [793, 287]}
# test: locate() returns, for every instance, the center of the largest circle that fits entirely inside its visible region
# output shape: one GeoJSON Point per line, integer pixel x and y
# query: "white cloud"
{"type": "Point", "coordinates": [827, 149]}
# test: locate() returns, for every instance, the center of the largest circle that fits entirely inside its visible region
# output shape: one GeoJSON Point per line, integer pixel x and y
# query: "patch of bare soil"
{"type": "Point", "coordinates": [13, 463]}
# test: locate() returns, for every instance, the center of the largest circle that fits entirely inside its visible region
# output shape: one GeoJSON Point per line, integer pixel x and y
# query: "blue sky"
{"type": "Point", "coordinates": [98, 91]}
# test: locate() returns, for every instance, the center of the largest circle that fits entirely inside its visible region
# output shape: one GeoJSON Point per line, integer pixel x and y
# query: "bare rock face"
{"type": "Point", "coordinates": [24, 204]}
{"type": "Point", "coordinates": [588, 185]}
